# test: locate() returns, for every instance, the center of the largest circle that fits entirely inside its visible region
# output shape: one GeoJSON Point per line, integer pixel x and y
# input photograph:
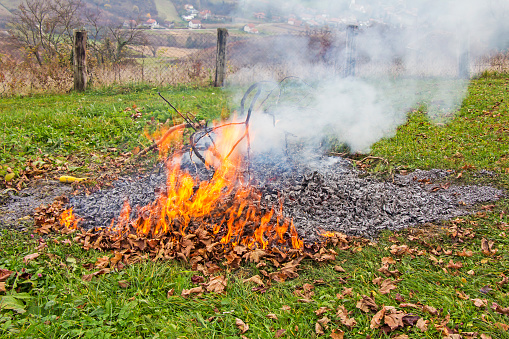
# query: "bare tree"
{"type": "Point", "coordinates": [46, 27]}
{"type": "Point", "coordinates": [123, 35]}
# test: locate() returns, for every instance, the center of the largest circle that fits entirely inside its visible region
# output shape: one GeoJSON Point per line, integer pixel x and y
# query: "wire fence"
{"type": "Point", "coordinates": [180, 56]}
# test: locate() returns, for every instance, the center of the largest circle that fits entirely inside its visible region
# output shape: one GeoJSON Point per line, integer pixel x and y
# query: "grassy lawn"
{"type": "Point", "coordinates": [449, 274]}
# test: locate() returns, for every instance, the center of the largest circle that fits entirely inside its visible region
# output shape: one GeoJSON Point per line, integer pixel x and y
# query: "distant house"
{"type": "Point", "coordinates": [260, 15]}
{"type": "Point", "coordinates": [151, 23]}
{"type": "Point", "coordinates": [188, 17]}
{"type": "Point", "coordinates": [188, 7]}
{"type": "Point", "coordinates": [205, 14]}
{"type": "Point", "coordinates": [294, 22]}
{"type": "Point", "coordinates": [250, 28]}
{"type": "Point", "coordinates": [195, 24]}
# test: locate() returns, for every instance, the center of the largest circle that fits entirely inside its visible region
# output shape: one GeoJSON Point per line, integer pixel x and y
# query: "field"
{"type": "Point", "coordinates": [166, 9]}
{"type": "Point", "coordinates": [451, 275]}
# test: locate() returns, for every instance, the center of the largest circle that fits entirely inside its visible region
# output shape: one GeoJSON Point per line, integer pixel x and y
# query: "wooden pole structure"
{"type": "Point", "coordinates": [80, 60]}
{"type": "Point", "coordinates": [351, 50]}
{"type": "Point", "coordinates": [222, 35]}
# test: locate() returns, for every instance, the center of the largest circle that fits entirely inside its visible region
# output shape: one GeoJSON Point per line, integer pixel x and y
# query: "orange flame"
{"type": "Point", "coordinates": [224, 204]}
{"type": "Point", "coordinates": [68, 219]}
{"type": "Point", "coordinates": [165, 138]}
{"type": "Point", "coordinates": [328, 234]}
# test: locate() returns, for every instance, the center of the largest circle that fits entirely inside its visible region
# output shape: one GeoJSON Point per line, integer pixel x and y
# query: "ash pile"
{"type": "Point", "coordinates": [324, 194]}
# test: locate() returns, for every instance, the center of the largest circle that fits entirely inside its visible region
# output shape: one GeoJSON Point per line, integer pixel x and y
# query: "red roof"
{"type": "Point", "coordinates": [151, 21]}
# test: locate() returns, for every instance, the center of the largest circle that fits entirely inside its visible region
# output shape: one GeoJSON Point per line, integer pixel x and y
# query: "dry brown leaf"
{"type": "Point", "coordinates": [319, 329]}
{"type": "Point", "coordinates": [387, 286]}
{"type": "Point", "coordinates": [422, 325]}
{"type": "Point", "coordinates": [462, 295]}
{"type": "Point", "coordinates": [376, 321]}
{"type": "Point", "coordinates": [2, 287]}
{"type": "Point", "coordinates": [29, 257]}
{"type": "Point", "coordinates": [465, 253]}
{"type": "Point", "coordinates": [480, 302]}
{"type": "Point", "coordinates": [88, 277]}
{"type": "Point", "coordinates": [388, 260]}
{"type": "Point", "coordinates": [256, 255]}
{"type": "Point", "coordinates": [337, 334]}
{"type": "Point", "coordinates": [502, 326]}
{"type": "Point", "coordinates": [286, 308]}
{"type": "Point", "coordinates": [5, 274]}
{"type": "Point", "coordinates": [321, 311]}
{"type": "Point", "coordinates": [487, 247]}
{"type": "Point", "coordinates": [123, 284]}
{"type": "Point", "coordinates": [343, 315]}
{"type": "Point", "coordinates": [347, 292]}
{"type": "Point", "coordinates": [401, 336]}
{"type": "Point", "coordinates": [308, 287]}
{"type": "Point", "coordinates": [499, 309]}
{"type": "Point", "coordinates": [504, 280]}
{"type": "Point", "coordinates": [255, 279]}
{"type": "Point", "coordinates": [400, 250]}
{"type": "Point", "coordinates": [471, 272]}
{"type": "Point", "coordinates": [453, 265]}
{"type": "Point", "coordinates": [271, 316]}
{"type": "Point", "coordinates": [394, 320]}
{"type": "Point", "coordinates": [367, 304]}
{"type": "Point", "coordinates": [388, 273]}
{"type": "Point", "coordinates": [195, 290]}
{"type": "Point", "coordinates": [324, 321]}
{"type": "Point", "coordinates": [102, 262]}
{"type": "Point", "coordinates": [116, 259]}
{"type": "Point", "coordinates": [485, 336]}
{"type": "Point", "coordinates": [170, 292]}
{"type": "Point", "coordinates": [430, 309]}
{"type": "Point", "coordinates": [305, 301]}
{"type": "Point", "coordinates": [216, 284]}
{"type": "Point", "coordinates": [279, 333]}
{"type": "Point", "coordinates": [242, 326]}
{"type": "Point", "coordinates": [340, 269]}
{"type": "Point", "coordinates": [378, 281]}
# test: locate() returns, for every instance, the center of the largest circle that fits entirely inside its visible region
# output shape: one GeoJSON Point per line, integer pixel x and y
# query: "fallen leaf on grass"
{"type": "Point", "coordinates": [197, 279]}
{"type": "Point", "coordinates": [499, 309]}
{"type": "Point", "coordinates": [480, 302]}
{"type": "Point", "coordinates": [453, 265]}
{"type": "Point", "coordinates": [286, 308]}
{"type": "Point", "coordinates": [401, 336]}
{"type": "Point", "coordinates": [279, 333]}
{"type": "Point", "coordinates": [28, 258]}
{"type": "Point", "coordinates": [462, 295]}
{"type": "Point", "coordinates": [2, 287]}
{"type": "Point", "coordinates": [376, 321]}
{"type": "Point", "coordinates": [387, 286]}
{"type": "Point", "coordinates": [255, 279]}
{"type": "Point", "coordinates": [102, 262]}
{"type": "Point", "coordinates": [195, 290]}
{"type": "Point", "coordinates": [343, 315]}
{"type": "Point", "coordinates": [399, 298]}
{"type": "Point", "coordinates": [216, 284]}
{"type": "Point", "coordinates": [88, 277]}
{"type": "Point", "coordinates": [340, 269]}
{"type": "Point", "coordinates": [242, 326]}
{"type": "Point", "coordinates": [5, 274]}
{"type": "Point", "coordinates": [502, 326]}
{"type": "Point", "coordinates": [367, 304]}
{"type": "Point", "coordinates": [465, 253]}
{"type": "Point", "coordinates": [123, 284]}
{"type": "Point", "coordinates": [422, 324]}
{"type": "Point", "coordinates": [170, 292]}
{"type": "Point", "coordinates": [400, 250]}
{"type": "Point", "coordinates": [504, 281]}
{"type": "Point", "coordinates": [321, 311]}
{"type": "Point", "coordinates": [337, 334]}
{"type": "Point", "coordinates": [319, 329]}
{"type": "Point", "coordinates": [487, 247]}
{"type": "Point", "coordinates": [324, 321]}
{"type": "Point", "coordinates": [271, 316]}
{"type": "Point", "coordinates": [485, 336]}
{"type": "Point", "coordinates": [388, 260]}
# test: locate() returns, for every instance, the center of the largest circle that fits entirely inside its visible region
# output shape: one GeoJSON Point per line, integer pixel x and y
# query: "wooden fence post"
{"type": "Point", "coordinates": [80, 60]}
{"type": "Point", "coordinates": [351, 50]}
{"type": "Point", "coordinates": [222, 35]}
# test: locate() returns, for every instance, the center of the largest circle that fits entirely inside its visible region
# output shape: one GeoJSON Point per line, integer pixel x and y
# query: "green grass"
{"type": "Point", "coordinates": [76, 125]}
{"type": "Point", "coordinates": [55, 302]}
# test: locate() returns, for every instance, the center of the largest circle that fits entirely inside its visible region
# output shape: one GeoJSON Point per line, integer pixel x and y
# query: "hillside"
{"type": "Point", "coordinates": [166, 10]}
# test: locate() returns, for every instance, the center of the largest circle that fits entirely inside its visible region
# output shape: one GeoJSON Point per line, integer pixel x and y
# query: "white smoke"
{"type": "Point", "coordinates": [408, 54]}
